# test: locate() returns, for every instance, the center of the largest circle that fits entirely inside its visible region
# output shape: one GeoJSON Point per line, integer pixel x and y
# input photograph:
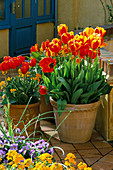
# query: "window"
{"type": "Point", "coordinates": [4, 10]}
{"type": "Point", "coordinates": [45, 9]}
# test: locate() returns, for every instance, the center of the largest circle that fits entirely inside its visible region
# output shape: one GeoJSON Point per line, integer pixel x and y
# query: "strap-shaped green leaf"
{"type": "Point", "coordinates": [65, 83]}
{"type": "Point", "coordinates": [76, 95]}
{"type": "Point", "coordinates": [61, 104]}
{"type": "Point", "coordinates": [94, 86]}
{"type": "Point", "coordinates": [46, 81]}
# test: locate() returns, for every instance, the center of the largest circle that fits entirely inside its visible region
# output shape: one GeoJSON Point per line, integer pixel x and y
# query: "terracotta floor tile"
{"type": "Point", "coordinates": [111, 153]}
{"type": "Point", "coordinates": [77, 155]}
{"type": "Point", "coordinates": [102, 166]}
{"type": "Point", "coordinates": [96, 136]}
{"type": "Point", "coordinates": [104, 151]}
{"type": "Point", "coordinates": [90, 161]}
{"type": "Point", "coordinates": [101, 144]}
{"type": "Point", "coordinates": [56, 157]}
{"type": "Point", "coordinates": [79, 160]}
{"type": "Point", "coordinates": [66, 146]}
{"type": "Point", "coordinates": [87, 145]}
{"type": "Point", "coordinates": [107, 159]}
{"type": "Point", "coordinates": [91, 153]}
{"type": "Point", "coordinates": [55, 141]}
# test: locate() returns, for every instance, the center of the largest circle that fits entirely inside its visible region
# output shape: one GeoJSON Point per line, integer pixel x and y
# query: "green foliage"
{"type": "Point", "coordinates": [76, 86]}
{"type": "Point", "coordinates": [24, 87]}
{"type": "Point", "coordinates": [110, 10]}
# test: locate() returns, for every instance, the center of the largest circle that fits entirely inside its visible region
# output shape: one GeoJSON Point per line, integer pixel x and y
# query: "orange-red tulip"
{"type": "Point", "coordinates": [100, 30]}
{"type": "Point", "coordinates": [88, 31]}
{"type": "Point", "coordinates": [62, 28]}
{"type": "Point", "coordinates": [92, 54]}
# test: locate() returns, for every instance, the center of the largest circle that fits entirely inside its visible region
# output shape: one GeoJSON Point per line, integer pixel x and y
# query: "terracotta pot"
{"type": "Point", "coordinates": [78, 126]}
{"type": "Point", "coordinates": [31, 112]}
{"type": "Point", "coordinates": [46, 108]}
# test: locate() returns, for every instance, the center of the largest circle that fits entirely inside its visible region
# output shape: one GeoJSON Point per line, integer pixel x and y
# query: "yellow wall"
{"type": "Point", "coordinates": [44, 31]}
{"type": "Point", "coordinates": [81, 13]}
{"type": "Point", "coordinates": [4, 43]}
{"type": "Point", "coordinates": [67, 13]}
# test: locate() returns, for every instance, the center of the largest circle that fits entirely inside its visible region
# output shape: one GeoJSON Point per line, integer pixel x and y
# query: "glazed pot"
{"type": "Point", "coordinates": [78, 126]}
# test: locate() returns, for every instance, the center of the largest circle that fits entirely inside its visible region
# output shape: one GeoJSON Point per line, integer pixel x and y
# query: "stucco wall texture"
{"type": "Point", "coordinates": [81, 13]}
{"type": "Point", "coordinates": [44, 31]}
{"type": "Point", "coordinates": [4, 43]}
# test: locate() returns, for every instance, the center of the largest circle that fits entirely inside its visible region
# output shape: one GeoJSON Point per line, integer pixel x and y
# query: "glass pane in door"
{"type": "Point", "coordinates": [48, 7]}
{"type": "Point", "coordinates": [27, 8]}
{"type": "Point", "coordinates": [40, 7]}
{"type": "Point", "coordinates": [2, 9]}
{"type": "Point", "coordinates": [18, 9]}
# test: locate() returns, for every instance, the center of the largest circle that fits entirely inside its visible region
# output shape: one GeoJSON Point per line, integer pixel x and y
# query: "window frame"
{"type": "Point", "coordinates": [4, 24]}
{"type": "Point", "coordinates": [46, 18]}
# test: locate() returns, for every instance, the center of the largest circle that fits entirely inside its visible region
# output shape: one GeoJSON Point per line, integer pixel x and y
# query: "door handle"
{"type": "Point", "coordinates": [14, 6]}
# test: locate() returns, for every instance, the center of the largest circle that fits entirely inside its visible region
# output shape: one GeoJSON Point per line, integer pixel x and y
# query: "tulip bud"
{"type": "Point", "coordinates": [24, 69]}
{"type": "Point", "coordinates": [33, 62]}
{"type": "Point", "coordinates": [42, 90]}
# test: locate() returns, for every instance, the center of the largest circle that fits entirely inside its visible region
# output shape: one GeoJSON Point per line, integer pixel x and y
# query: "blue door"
{"type": "Point", "coordinates": [23, 26]}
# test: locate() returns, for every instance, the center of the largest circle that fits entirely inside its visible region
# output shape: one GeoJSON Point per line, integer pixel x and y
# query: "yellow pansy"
{"type": "Point", "coordinates": [56, 166]}
{"type": "Point", "coordinates": [10, 154]}
{"type": "Point", "coordinates": [12, 90]}
{"type": "Point", "coordinates": [2, 167]}
{"type": "Point", "coordinates": [82, 165]}
{"type": "Point", "coordinates": [4, 72]}
{"type": "Point", "coordinates": [28, 162]}
{"type": "Point", "coordinates": [9, 78]}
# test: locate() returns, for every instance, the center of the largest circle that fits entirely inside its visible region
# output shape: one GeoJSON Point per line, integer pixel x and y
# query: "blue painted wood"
{"type": "Point", "coordinates": [45, 21]}
{"type": "Point", "coordinates": [22, 32]}
{"type": "Point", "coordinates": [7, 11]}
{"type": "Point", "coordinates": [56, 5]}
{"type": "Point", "coordinates": [52, 9]}
{"type": "Point", "coordinates": [3, 27]}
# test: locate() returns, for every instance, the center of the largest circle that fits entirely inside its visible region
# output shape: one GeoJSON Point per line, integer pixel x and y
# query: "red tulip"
{"type": "Point", "coordinates": [12, 64]}
{"type": "Point", "coordinates": [62, 28]}
{"type": "Point", "coordinates": [26, 64]}
{"type": "Point", "coordinates": [24, 69]}
{"type": "Point", "coordinates": [6, 58]}
{"type": "Point", "coordinates": [33, 62]}
{"type": "Point", "coordinates": [42, 90]}
{"type": "Point", "coordinates": [4, 66]}
{"type": "Point", "coordinates": [47, 64]}
{"type": "Point", "coordinates": [92, 54]}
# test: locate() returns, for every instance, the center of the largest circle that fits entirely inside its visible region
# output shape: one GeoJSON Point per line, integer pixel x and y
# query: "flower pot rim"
{"type": "Point", "coordinates": [23, 106]}
{"type": "Point", "coordinates": [77, 105]}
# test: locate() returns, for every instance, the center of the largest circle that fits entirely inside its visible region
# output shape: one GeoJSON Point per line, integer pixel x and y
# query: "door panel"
{"type": "Point", "coordinates": [23, 30]}
{"type": "Point", "coordinates": [27, 8]}
{"type": "Point", "coordinates": [2, 12]}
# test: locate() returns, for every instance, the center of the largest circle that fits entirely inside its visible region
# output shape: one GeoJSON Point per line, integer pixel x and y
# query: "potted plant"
{"type": "Point", "coordinates": [75, 82]}
{"type": "Point", "coordinates": [20, 89]}
{"type": "Point", "coordinates": [39, 53]}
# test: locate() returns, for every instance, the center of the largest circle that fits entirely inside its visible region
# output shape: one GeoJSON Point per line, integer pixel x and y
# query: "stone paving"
{"type": "Point", "coordinates": [97, 153]}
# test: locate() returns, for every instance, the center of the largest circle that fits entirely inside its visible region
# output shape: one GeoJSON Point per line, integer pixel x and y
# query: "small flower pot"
{"type": "Point", "coordinates": [31, 112]}
{"type": "Point", "coordinates": [44, 107]}
{"type": "Point", "coordinates": [78, 126]}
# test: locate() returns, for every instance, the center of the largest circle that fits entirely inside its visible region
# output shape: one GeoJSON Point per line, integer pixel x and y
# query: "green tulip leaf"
{"type": "Point", "coordinates": [61, 104]}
